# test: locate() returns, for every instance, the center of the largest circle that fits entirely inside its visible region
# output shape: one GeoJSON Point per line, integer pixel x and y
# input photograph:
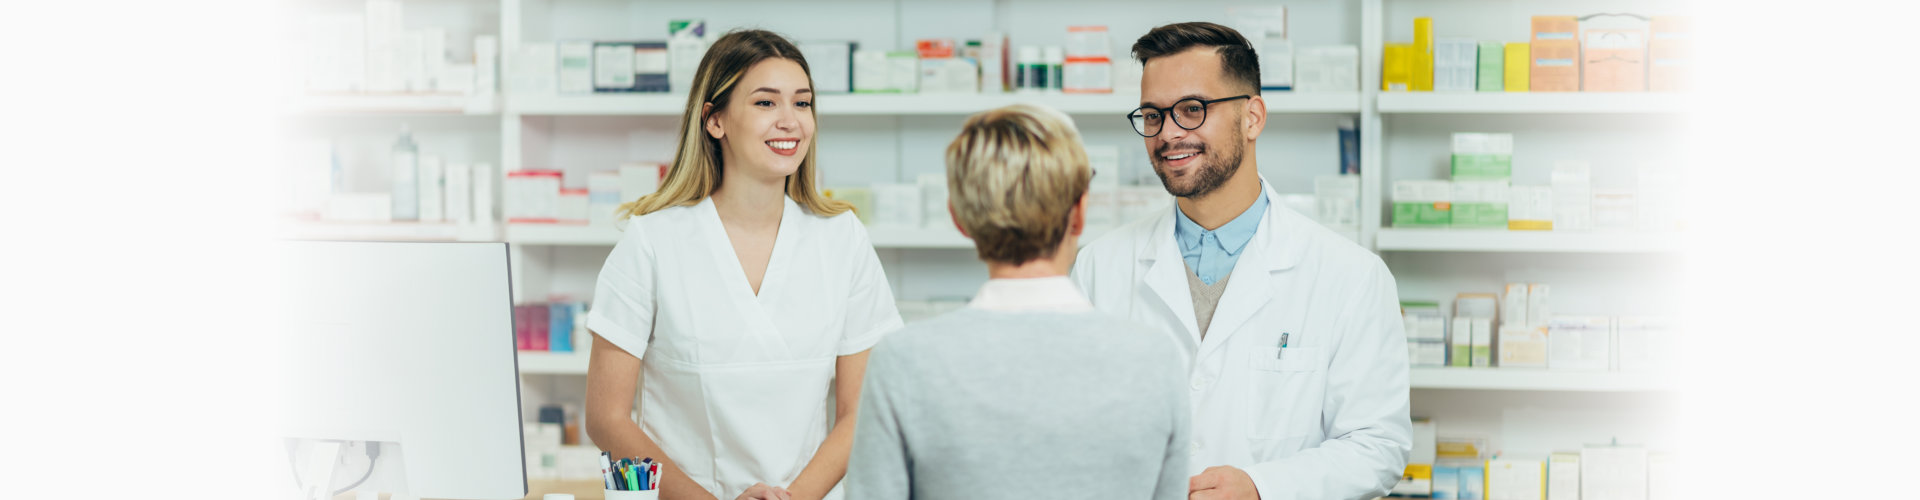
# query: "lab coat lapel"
{"type": "Point", "coordinates": [1166, 276]}
{"type": "Point", "coordinates": [1252, 283]}
{"type": "Point", "coordinates": [772, 342]}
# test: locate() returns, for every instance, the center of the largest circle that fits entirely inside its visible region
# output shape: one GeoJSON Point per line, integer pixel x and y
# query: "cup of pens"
{"type": "Point", "coordinates": [630, 478]}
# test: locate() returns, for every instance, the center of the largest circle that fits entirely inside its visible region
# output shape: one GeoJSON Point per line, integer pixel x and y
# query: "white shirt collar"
{"type": "Point", "coordinates": [1050, 294]}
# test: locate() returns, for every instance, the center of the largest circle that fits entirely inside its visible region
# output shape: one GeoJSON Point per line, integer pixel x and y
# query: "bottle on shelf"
{"type": "Point", "coordinates": [406, 177]}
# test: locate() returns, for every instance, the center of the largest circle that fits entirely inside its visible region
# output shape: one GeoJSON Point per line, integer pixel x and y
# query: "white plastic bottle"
{"type": "Point", "coordinates": [406, 177]}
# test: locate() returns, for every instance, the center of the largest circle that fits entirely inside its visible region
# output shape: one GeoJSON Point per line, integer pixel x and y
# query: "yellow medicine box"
{"type": "Point", "coordinates": [1519, 59]}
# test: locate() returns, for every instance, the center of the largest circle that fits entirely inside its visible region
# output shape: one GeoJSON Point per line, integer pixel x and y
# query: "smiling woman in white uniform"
{"type": "Point", "coordinates": [748, 299]}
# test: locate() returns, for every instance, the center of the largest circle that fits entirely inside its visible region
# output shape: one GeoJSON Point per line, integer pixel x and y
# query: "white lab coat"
{"type": "Point", "coordinates": [736, 386]}
{"type": "Point", "coordinates": [1325, 419]}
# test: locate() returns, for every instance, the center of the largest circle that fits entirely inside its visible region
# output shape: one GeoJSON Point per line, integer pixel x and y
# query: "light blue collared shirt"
{"type": "Point", "coordinates": [1211, 254]}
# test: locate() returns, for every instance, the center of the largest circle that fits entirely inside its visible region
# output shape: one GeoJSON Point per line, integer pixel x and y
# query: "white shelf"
{"type": "Point", "coordinates": [918, 238]}
{"type": "Point", "coordinates": [1495, 240]}
{"type": "Point", "coordinates": [395, 104]}
{"type": "Point", "coordinates": [562, 234]}
{"type": "Point", "coordinates": [912, 104]}
{"type": "Point", "coordinates": [383, 231]}
{"type": "Point", "coordinates": [1531, 102]}
{"type": "Point", "coordinates": [549, 363]}
{"type": "Point", "coordinates": [1512, 379]}
{"type": "Point", "coordinates": [584, 235]}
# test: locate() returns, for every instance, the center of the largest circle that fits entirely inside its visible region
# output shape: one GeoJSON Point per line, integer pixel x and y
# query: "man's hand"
{"type": "Point", "coordinates": [760, 491]}
{"type": "Point", "coordinates": [1222, 483]}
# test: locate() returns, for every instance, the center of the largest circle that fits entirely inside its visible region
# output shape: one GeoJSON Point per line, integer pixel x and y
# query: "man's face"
{"type": "Point", "coordinates": [1193, 163]}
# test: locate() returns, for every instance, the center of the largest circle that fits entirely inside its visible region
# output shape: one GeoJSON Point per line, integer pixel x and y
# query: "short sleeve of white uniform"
{"type": "Point", "coordinates": [623, 304]}
{"type": "Point", "coordinates": [871, 313]}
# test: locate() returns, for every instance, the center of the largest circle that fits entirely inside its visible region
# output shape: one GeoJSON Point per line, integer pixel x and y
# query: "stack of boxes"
{"type": "Point", "coordinates": [538, 196]}
{"type": "Point", "coordinates": [1601, 53]}
{"type": "Point", "coordinates": [1478, 196]}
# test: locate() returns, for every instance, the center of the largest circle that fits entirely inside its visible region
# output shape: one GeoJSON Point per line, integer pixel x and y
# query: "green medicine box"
{"type": "Point", "coordinates": [1423, 214]}
{"type": "Point", "coordinates": [1491, 76]}
{"type": "Point", "coordinates": [1478, 216]}
{"type": "Point", "coordinates": [1482, 167]}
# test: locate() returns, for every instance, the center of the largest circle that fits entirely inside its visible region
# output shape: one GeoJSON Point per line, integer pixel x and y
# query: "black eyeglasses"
{"type": "Point", "coordinates": [1188, 113]}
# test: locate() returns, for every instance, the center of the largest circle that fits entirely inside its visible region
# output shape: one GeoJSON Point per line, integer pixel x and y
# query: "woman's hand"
{"type": "Point", "coordinates": [760, 491]}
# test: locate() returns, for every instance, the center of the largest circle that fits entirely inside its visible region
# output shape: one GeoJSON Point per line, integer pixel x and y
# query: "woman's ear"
{"type": "Point", "coordinates": [712, 121]}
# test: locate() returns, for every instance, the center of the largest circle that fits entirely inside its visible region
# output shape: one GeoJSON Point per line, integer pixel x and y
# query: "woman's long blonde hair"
{"type": "Point", "coordinates": [697, 166]}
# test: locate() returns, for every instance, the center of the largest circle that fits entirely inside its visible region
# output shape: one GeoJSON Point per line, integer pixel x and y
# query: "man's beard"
{"type": "Point", "coordinates": [1213, 173]}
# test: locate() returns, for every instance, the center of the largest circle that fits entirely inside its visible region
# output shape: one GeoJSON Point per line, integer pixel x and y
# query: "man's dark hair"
{"type": "Point", "coordinates": [1237, 59]}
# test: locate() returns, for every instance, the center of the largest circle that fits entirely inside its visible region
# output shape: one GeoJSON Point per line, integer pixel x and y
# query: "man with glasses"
{"type": "Point", "coordinates": [1298, 360]}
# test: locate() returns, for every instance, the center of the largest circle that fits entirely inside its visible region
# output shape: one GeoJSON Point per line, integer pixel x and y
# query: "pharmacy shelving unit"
{"type": "Point", "coordinates": [1531, 103]}
{"type": "Point", "coordinates": [910, 104]}
{"type": "Point", "coordinates": [1482, 240]}
{"type": "Point", "coordinates": [346, 231]}
{"type": "Point", "coordinates": [396, 104]}
{"type": "Point", "coordinates": [1520, 410]}
{"type": "Point", "coordinates": [542, 256]}
{"type": "Point", "coordinates": [541, 363]}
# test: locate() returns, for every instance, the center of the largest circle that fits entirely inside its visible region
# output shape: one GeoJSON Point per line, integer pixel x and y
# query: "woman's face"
{"type": "Point", "coordinates": [767, 128]}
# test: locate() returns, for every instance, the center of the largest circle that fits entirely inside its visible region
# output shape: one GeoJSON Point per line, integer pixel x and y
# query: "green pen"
{"type": "Point", "coordinates": [633, 481]}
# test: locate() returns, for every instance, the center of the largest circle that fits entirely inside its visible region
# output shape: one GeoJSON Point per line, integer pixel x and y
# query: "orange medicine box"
{"type": "Point", "coordinates": [1555, 54]}
{"type": "Point", "coordinates": [1613, 60]}
{"type": "Point", "coordinates": [1669, 55]}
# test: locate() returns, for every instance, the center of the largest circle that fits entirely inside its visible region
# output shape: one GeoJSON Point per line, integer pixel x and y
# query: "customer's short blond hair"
{"type": "Point", "coordinates": [1014, 176]}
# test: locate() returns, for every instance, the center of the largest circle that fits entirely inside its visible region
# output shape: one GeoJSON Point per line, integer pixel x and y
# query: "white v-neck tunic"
{"type": "Point", "coordinates": [735, 386]}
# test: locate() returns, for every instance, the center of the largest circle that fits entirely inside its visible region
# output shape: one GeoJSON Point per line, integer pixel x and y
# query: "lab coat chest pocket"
{"type": "Point", "coordinates": [1288, 387]}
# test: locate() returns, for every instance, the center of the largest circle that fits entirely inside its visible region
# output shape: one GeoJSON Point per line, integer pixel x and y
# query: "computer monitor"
{"type": "Point", "coordinates": [404, 351]}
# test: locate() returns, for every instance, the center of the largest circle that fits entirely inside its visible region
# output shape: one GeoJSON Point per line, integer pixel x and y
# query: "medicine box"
{"type": "Point", "coordinates": [1460, 342]}
{"type": "Point", "coordinates": [640, 179]}
{"type": "Point", "coordinates": [1423, 321]}
{"type": "Point", "coordinates": [573, 207]}
{"type": "Point", "coordinates": [533, 196]}
{"type": "Point", "coordinates": [652, 67]}
{"type": "Point", "coordinates": [1517, 66]}
{"type": "Point", "coordinates": [1276, 63]}
{"type": "Point", "coordinates": [576, 67]}
{"type": "Point", "coordinates": [1422, 203]}
{"type": "Point", "coordinates": [1530, 208]}
{"type": "Point", "coordinates": [1509, 479]}
{"type": "Point", "coordinates": [1482, 156]}
{"type": "Point", "coordinates": [1563, 476]}
{"type": "Point", "coordinates": [1538, 311]}
{"type": "Point", "coordinates": [1455, 64]}
{"type": "Point", "coordinates": [1489, 68]}
{"type": "Point", "coordinates": [1446, 483]}
{"type": "Point", "coordinates": [1579, 343]}
{"type": "Point", "coordinates": [1473, 483]}
{"type": "Point", "coordinates": [1555, 54]}
{"type": "Point", "coordinates": [1523, 346]}
{"type": "Point", "coordinates": [1572, 196]}
{"type": "Point", "coordinates": [1427, 353]}
{"type": "Point", "coordinates": [1415, 481]}
{"type": "Point", "coordinates": [1615, 473]}
{"type": "Point", "coordinates": [949, 76]}
{"type": "Point", "coordinates": [1336, 199]}
{"type": "Point", "coordinates": [1423, 54]}
{"type": "Point", "coordinates": [1614, 209]}
{"type": "Point", "coordinates": [536, 69]}
{"type": "Point", "coordinates": [1669, 55]}
{"type": "Point", "coordinates": [1396, 74]}
{"type": "Point", "coordinates": [1513, 305]}
{"type": "Point", "coordinates": [1479, 204]}
{"type": "Point", "coordinates": [1482, 342]}
{"type": "Point", "coordinates": [1645, 343]}
{"type": "Point", "coordinates": [1326, 68]}
{"type": "Point", "coordinates": [613, 66]}
{"type": "Point", "coordinates": [1613, 60]}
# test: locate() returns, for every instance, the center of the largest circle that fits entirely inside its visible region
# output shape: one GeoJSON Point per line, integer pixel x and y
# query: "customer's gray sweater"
{"type": "Point", "coordinates": [982, 404]}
